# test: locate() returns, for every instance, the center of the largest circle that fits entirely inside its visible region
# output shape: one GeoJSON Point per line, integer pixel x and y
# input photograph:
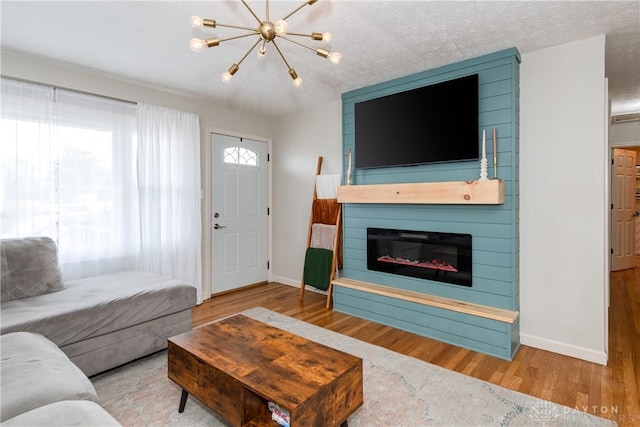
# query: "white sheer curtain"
{"type": "Point", "coordinates": [169, 192]}
{"type": "Point", "coordinates": [68, 172]}
{"type": "Point", "coordinates": [27, 159]}
{"type": "Point", "coordinates": [98, 199]}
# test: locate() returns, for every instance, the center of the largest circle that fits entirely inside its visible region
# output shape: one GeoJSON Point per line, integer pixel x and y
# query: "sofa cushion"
{"type": "Point", "coordinates": [35, 372]}
{"type": "Point", "coordinates": [97, 305]}
{"type": "Point", "coordinates": [65, 413]}
{"type": "Point", "coordinates": [29, 267]}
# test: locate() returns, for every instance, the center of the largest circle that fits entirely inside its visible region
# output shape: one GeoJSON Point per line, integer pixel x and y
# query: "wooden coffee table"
{"type": "Point", "coordinates": [237, 365]}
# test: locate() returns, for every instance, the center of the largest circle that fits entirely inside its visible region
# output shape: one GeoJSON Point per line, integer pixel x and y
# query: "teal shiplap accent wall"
{"type": "Point", "coordinates": [494, 228]}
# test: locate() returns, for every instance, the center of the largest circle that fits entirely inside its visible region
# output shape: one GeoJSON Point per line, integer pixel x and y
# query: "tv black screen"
{"type": "Point", "coordinates": [430, 124]}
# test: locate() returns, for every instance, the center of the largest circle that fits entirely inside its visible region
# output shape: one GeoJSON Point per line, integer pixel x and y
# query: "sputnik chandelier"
{"type": "Point", "coordinates": [267, 32]}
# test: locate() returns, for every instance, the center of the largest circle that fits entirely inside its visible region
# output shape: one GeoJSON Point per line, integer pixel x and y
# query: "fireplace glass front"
{"type": "Point", "coordinates": [443, 257]}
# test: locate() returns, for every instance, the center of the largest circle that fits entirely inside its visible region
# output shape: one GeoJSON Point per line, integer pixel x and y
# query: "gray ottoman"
{"type": "Point", "coordinates": [34, 372]}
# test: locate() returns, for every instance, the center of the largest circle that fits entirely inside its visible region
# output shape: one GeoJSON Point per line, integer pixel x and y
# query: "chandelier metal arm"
{"type": "Point", "coordinates": [313, 36]}
{"type": "Point", "coordinates": [332, 56]}
{"type": "Point", "coordinates": [309, 2]}
{"type": "Point", "coordinates": [251, 11]}
{"type": "Point", "coordinates": [281, 55]}
{"type": "Point", "coordinates": [239, 37]}
{"type": "Point", "coordinates": [235, 26]}
{"type": "Point", "coordinates": [299, 44]}
{"type": "Point", "coordinates": [249, 51]}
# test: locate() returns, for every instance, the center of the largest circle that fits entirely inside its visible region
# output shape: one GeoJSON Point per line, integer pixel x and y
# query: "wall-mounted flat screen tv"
{"type": "Point", "coordinates": [431, 124]}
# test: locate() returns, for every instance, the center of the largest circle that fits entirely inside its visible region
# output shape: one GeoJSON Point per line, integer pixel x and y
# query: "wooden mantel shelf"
{"type": "Point", "coordinates": [490, 192]}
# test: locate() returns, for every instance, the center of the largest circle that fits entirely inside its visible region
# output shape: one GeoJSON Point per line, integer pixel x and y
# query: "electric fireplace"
{"type": "Point", "coordinates": [443, 257]}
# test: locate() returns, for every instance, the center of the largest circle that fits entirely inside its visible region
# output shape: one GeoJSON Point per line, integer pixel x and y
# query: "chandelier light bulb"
{"type": "Point", "coordinates": [297, 81]}
{"type": "Point", "coordinates": [196, 21]}
{"type": "Point", "coordinates": [226, 77]}
{"type": "Point", "coordinates": [282, 27]}
{"type": "Point", "coordinates": [335, 57]}
{"type": "Point", "coordinates": [197, 45]}
{"type": "Point", "coordinates": [262, 51]}
{"type": "Point", "coordinates": [327, 37]}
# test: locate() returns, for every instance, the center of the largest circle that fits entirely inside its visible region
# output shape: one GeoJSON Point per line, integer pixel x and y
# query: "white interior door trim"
{"type": "Point", "coordinates": [205, 155]}
{"type": "Point", "coordinates": [623, 183]}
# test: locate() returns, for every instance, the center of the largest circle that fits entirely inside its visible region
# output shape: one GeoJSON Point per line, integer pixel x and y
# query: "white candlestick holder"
{"type": "Point", "coordinates": [483, 169]}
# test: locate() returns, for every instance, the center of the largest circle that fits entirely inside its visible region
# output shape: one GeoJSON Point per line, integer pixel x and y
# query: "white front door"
{"type": "Point", "coordinates": [623, 184]}
{"type": "Point", "coordinates": [239, 212]}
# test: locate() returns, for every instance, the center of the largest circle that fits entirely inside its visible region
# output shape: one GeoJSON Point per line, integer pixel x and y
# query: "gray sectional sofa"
{"type": "Point", "coordinates": [42, 387]}
{"type": "Point", "coordinates": [98, 322]}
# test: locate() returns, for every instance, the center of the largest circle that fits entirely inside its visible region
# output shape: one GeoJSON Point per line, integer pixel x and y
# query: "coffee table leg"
{"type": "Point", "coordinates": [345, 424]}
{"type": "Point", "coordinates": [183, 400]}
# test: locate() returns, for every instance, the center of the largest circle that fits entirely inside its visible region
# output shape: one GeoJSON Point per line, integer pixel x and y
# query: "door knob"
{"type": "Point", "coordinates": [636, 213]}
{"type": "Point", "coordinates": [218, 226]}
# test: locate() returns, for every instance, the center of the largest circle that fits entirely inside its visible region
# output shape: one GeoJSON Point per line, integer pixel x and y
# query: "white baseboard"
{"type": "Point", "coordinates": [296, 283]}
{"type": "Point", "coordinates": [286, 281]}
{"type": "Point", "coordinates": [587, 354]}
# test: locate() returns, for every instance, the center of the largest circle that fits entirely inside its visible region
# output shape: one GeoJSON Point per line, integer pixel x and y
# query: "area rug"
{"type": "Point", "coordinates": [398, 391]}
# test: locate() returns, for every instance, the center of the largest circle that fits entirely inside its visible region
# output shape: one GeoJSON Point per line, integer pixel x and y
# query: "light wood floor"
{"type": "Point", "coordinates": [611, 391]}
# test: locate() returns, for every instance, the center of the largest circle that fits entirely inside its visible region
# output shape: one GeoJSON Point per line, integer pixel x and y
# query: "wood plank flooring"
{"type": "Point", "coordinates": [611, 391]}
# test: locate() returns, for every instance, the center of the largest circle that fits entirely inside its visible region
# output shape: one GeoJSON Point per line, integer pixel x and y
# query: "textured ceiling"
{"type": "Point", "coordinates": [147, 41]}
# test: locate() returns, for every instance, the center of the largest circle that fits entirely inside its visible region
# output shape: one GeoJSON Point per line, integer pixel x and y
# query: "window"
{"type": "Point", "coordinates": [68, 172]}
{"type": "Point", "coordinates": [240, 156]}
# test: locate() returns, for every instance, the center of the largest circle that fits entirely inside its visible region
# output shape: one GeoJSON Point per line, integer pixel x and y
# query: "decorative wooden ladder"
{"type": "Point", "coordinates": [325, 211]}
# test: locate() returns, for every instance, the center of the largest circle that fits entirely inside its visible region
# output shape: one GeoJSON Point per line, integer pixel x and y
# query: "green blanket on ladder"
{"type": "Point", "coordinates": [317, 268]}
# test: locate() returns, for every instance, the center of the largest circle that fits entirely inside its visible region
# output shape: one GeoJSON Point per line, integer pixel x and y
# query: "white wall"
{"type": "Point", "coordinates": [563, 200]}
{"type": "Point", "coordinates": [300, 139]}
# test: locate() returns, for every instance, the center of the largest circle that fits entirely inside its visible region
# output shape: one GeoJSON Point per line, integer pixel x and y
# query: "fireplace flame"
{"type": "Point", "coordinates": [434, 264]}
